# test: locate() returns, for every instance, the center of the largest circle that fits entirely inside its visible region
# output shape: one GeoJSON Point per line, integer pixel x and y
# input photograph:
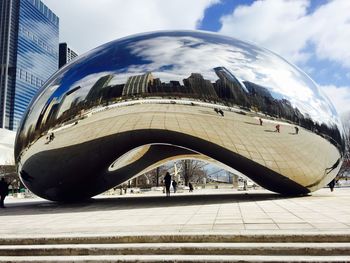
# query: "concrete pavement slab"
{"type": "Point", "coordinates": [205, 210]}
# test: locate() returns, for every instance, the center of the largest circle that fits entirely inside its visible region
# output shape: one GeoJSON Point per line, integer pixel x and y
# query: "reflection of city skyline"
{"type": "Point", "coordinates": [226, 90]}
{"type": "Point", "coordinates": [133, 103]}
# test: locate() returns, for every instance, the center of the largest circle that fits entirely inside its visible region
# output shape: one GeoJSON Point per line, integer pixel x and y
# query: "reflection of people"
{"type": "Point", "coordinates": [260, 121]}
{"type": "Point", "coordinates": [296, 130]}
{"type": "Point", "coordinates": [4, 191]}
{"type": "Point", "coordinates": [331, 184]}
{"type": "Point", "coordinates": [167, 181]}
{"type": "Point", "coordinates": [335, 165]}
{"type": "Point", "coordinates": [277, 128]}
{"type": "Point", "coordinates": [50, 138]}
{"type": "Point", "coordinates": [190, 186]}
{"type": "Point", "coordinates": [219, 111]}
{"type": "Point", "coordinates": [174, 183]}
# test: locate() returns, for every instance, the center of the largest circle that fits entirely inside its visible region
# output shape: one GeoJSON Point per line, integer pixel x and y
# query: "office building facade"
{"type": "Point", "coordinates": [28, 54]}
{"type": "Point", "coordinates": [66, 54]}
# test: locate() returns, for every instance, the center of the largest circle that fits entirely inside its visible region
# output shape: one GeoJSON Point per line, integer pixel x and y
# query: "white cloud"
{"type": "Point", "coordinates": [285, 27]}
{"type": "Point", "coordinates": [85, 24]}
{"type": "Point", "coordinates": [340, 97]}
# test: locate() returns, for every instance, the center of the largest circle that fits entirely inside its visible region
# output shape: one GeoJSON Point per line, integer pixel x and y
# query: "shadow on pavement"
{"type": "Point", "coordinates": [133, 202]}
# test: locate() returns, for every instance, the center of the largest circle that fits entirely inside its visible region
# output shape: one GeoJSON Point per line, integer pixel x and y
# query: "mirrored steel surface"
{"type": "Point", "coordinates": [135, 103]}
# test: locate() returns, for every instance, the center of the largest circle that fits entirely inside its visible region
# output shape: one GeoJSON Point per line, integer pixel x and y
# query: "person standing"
{"type": "Point", "coordinates": [277, 128]}
{"type": "Point", "coordinates": [191, 187]}
{"type": "Point", "coordinates": [296, 130]}
{"type": "Point", "coordinates": [4, 191]}
{"type": "Point", "coordinates": [331, 184]}
{"type": "Point", "coordinates": [174, 183]}
{"type": "Point", "coordinates": [245, 184]}
{"type": "Point", "coordinates": [167, 181]}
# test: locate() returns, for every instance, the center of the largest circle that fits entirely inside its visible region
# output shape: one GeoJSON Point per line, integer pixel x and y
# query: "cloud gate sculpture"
{"type": "Point", "coordinates": [135, 103]}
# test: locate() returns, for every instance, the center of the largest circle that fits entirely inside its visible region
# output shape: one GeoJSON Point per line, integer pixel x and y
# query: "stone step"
{"type": "Point", "coordinates": [175, 258]}
{"type": "Point", "coordinates": [283, 249]}
{"type": "Point", "coordinates": [180, 238]}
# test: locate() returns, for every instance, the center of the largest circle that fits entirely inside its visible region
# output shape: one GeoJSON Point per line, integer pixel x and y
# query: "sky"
{"type": "Point", "coordinates": [312, 34]}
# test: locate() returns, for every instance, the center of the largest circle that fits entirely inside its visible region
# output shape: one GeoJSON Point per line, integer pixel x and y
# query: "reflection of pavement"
{"type": "Point", "coordinates": [207, 210]}
{"type": "Point", "coordinates": [302, 158]}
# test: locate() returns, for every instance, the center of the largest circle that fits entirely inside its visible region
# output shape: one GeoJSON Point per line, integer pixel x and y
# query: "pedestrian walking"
{"type": "Point", "coordinates": [296, 130]}
{"type": "Point", "coordinates": [277, 128]}
{"type": "Point", "coordinates": [174, 183]}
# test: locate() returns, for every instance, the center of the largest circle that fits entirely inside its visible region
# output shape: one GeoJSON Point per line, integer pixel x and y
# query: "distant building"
{"type": "Point", "coordinates": [229, 87]}
{"type": "Point", "coordinates": [167, 89]}
{"type": "Point", "coordinates": [66, 54]}
{"type": "Point", "coordinates": [137, 84]}
{"type": "Point", "coordinates": [28, 55]}
{"type": "Point", "coordinates": [261, 99]}
{"type": "Point", "coordinates": [95, 93]}
{"type": "Point", "coordinates": [112, 92]}
{"type": "Point", "coordinates": [257, 90]}
{"type": "Point", "coordinates": [200, 87]}
{"type": "Point", "coordinates": [47, 112]}
{"type": "Point", "coordinates": [66, 101]}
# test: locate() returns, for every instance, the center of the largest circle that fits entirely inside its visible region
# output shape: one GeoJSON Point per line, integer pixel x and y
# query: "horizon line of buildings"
{"type": "Point", "coordinates": [227, 89]}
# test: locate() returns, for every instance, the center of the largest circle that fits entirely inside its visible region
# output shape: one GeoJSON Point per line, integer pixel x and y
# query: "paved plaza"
{"type": "Point", "coordinates": [204, 211]}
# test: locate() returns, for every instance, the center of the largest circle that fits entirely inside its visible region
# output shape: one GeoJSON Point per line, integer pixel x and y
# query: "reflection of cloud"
{"type": "Point", "coordinates": [182, 55]}
{"type": "Point", "coordinates": [281, 77]}
{"type": "Point", "coordinates": [175, 56]}
{"type": "Point", "coordinates": [86, 84]}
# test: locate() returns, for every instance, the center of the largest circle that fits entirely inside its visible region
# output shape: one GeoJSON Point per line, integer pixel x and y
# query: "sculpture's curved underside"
{"type": "Point", "coordinates": [135, 103]}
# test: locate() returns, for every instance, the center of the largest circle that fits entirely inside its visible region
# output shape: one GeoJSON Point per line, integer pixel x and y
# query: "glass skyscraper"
{"type": "Point", "coordinates": [28, 55]}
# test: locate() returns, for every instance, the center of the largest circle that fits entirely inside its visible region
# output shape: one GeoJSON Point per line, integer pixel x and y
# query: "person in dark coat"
{"type": "Point", "coordinates": [190, 186]}
{"type": "Point", "coordinates": [174, 183]}
{"type": "Point", "coordinates": [331, 184]}
{"type": "Point", "coordinates": [4, 191]}
{"type": "Point", "coordinates": [167, 181]}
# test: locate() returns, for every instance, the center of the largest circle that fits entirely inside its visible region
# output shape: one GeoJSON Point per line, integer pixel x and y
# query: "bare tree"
{"type": "Point", "coordinates": [193, 171]}
{"type": "Point", "coordinates": [8, 171]}
{"type": "Point", "coordinates": [155, 176]}
{"type": "Point", "coordinates": [189, 171]}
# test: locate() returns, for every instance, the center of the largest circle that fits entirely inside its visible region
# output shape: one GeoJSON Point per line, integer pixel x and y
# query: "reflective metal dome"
{"type": "Point", "coordinates": [132, 104]}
